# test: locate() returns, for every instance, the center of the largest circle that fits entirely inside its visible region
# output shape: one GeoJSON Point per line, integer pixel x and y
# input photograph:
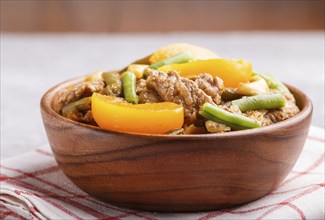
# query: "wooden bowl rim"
{"type": "Point", "coordinates": [46, 106]}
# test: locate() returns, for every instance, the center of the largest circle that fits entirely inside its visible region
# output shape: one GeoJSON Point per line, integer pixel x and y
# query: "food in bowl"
{"type": "Point", "coordinates": [172, 173]}
{"type": "Point", "coordinates": [180, 89]}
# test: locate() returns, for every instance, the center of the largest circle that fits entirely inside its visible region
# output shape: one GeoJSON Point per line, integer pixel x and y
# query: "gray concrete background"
{"type": "Point", "coordinates": [31, 64]}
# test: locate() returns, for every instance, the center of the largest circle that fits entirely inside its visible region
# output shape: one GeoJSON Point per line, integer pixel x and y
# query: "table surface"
{"type": "Point", "coordinates": [31, 64]}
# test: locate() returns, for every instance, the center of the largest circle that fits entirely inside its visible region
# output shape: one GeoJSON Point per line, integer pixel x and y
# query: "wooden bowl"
{"type": "Point", "coordinates": [176, 173]}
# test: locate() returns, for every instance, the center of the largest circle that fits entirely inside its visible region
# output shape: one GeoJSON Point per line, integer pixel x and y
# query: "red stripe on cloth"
{"type": "Point", "coordinates": [35, 173]}
{"type": "Point", "coordinates": [310, 173]}
{"type": "Point", "coordinates": [10, 213]}
{"type": "Point", "coordinates": [62, 208]}
{"type": "Point", "coordinates": [3, 178]}
{"type": "Point", "coordinates": [126, 214]}
{"type": "Point", "coordinates": [32, 175]}
{"type": "Point", "coordinates": [316, 138]}
{"type": "Point", "coordinates": [27, 186]}
{"type": "Point", "coordinates": [318, 162]}
{"type": "Point", "coordinates": [231, 211]}
{"type": "Point", "coordinates": [57, 187]}
{"type": "Point", "coordinates": [299, 211]}
{"type": "Point", "coordinates": [291, 190]}
{"type": "Point", "coordinates": [31, 211]}
{"type": "Point", "coordinates": [299, 195]}
{"type": "Point", "coordinates": [44, 152]}
{"type": "Point", "coordinates": [241, 212]}
{"type": "Point", "coordinates": [75, 195]}
{"type": "Point", "coordinates": [62, 199]}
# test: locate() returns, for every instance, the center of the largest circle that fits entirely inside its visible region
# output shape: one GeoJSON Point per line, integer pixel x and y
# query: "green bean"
{"type": "Point", "coordinates": [270, 101]}
{"type": "Point", "coordinates": [77, 106]}
{"type": "Point", "coordinates": [179, 58]}
{"type": "Point", "coordinates": [230, 94]}
{"type": "Point", "coordinates": [113, 83]}
{"type": "Point", "coordinates": [129, 87]}
{"type": "Point", "coordinates": [235, 121]}
{"type": "Point", "coordinates": [273, 82]}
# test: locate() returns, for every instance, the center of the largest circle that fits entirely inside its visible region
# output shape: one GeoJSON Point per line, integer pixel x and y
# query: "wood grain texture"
{"type": "Point", "coordinates": [176, 173]}
{"type": "Point", "coordinates": [160, 16]}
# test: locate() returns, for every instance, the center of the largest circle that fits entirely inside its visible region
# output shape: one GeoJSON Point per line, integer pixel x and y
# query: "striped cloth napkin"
{"type": "Point", "coordinates": [33, 187]}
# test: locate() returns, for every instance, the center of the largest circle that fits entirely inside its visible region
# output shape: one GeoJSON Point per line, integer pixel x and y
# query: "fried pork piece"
{"type": "Point", "coordinates": [258, 115]}
{"type": "Point", "coordinates": [146, 95]}
{"type": "Point", "coordinates": [88, 118]}
{"type": "Point", "coordinates": [85, 117]}
{"type": "Point", "coordinates": [211, 86]}
{"type": "Point", "coordinates": [173, 88]}
{"type": "Point", "coordinates": [214, 127]}
{"type": "Point", "coordinates": [284, 113]}
{"type": "Point", "coordinates": [79, 91]}
{"type": "Point", "coordinates": [193, 129]}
